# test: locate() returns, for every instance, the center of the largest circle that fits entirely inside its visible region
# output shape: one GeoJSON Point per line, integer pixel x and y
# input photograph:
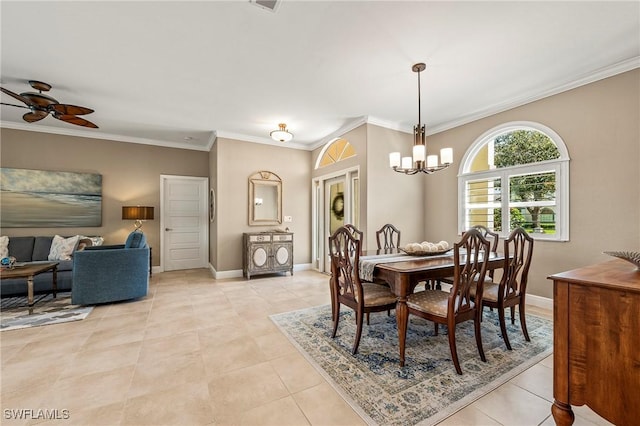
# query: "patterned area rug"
{"type": "Point", "coordinates": [14, 311]}
{"type": "Point", "coordinates": [427, 389]}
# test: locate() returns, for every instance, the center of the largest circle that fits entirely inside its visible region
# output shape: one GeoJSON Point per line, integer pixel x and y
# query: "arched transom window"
{"type": "Point", "coordinates": [335, 151]}
{"type": "Point", "coordinates": [516, 174]}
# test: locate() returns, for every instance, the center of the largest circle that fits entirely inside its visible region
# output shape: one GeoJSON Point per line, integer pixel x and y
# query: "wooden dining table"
{"type": "Point", "coordinates": [403, 276]}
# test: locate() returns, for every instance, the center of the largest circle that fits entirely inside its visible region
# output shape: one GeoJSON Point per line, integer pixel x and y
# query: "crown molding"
{"type": "Point", "coordinates": [92, 135]}
{"type": "Point", "coordinates": [389, 125]}
{"type": "Point", "coordinates": [356, 122]}
{"type": "Point", "coordinates": [535, 95]}
{"type": "Point", "coordinates": [261, 140]}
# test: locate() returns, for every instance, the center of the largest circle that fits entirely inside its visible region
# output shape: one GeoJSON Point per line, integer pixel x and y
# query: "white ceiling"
{"type": "Point", "coordinates": [161, 72]}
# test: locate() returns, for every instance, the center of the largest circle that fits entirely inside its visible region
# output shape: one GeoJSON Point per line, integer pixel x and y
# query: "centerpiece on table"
{"type": "Point", "coordinates": [426, 248]}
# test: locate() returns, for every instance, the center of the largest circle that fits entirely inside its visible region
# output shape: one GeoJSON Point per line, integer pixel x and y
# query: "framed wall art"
{"type": "Point", "coordinates": [49, 199]}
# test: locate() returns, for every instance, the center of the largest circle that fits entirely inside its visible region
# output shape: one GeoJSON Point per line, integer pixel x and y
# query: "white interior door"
{"type": "Point", "coordinates": [184, 221]}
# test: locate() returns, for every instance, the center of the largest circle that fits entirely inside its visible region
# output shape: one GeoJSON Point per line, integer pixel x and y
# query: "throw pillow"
{"type": "Point", "coordinates": [83, 242]}
{"type": "Point", "coordinates": [96, 241]}
{"type": "Point", "coordinates": [62, 248]}
{"type": "Point", "coordinates": [4, 247]}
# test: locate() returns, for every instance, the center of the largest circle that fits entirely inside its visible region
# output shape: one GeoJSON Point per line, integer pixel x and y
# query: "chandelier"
{"type": "Point", "coordinates": [282, 134]}
{"type": "Point", "coordinates": [417, 163]}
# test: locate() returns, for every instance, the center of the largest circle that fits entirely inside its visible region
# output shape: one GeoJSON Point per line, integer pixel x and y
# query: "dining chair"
{"type": "Point", "coordinates": [390, 237]}
{"type": "Point", "coordinates": [359, 235]}
{"type": "Point", "coordinates": [493, 238]}
{"type": "Point", "coordinates": [347, 288]}
{"type": "Point", "coordinates": [457, 306]}
{"type": "Point", "coordinates": [511, 290]}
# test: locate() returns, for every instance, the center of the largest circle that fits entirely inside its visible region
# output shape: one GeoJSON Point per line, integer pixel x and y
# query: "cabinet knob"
{"type": "Point", "coordinates": [168, 229]}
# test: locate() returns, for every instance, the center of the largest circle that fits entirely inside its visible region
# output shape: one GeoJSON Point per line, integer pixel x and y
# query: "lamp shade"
{"type": "Point", "coordinates": [137, 213]}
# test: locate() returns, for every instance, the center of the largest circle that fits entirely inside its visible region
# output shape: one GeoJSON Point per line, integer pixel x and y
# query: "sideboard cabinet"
{"type": "Point", "coordinates": [595, 342]}
{"type": "Point", "coordinates": [267, 253]}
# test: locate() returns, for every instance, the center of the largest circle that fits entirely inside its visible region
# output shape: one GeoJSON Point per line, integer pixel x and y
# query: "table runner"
{"type": "Point", "coordinates": [368, 263]}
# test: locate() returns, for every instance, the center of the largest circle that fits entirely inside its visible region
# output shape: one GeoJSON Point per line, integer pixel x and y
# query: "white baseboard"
{"type": "Point", "coordinates": [237, 273]}
{"type": "Point", "coordinates": [539, 301]}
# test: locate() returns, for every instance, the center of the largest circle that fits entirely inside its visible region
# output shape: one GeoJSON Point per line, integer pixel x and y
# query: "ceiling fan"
{"type": "Point", "coordinates": [41, 105]}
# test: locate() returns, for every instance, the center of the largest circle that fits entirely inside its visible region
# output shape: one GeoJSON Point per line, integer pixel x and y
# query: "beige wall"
{"type": "Point", "coordinates": [130, 176]}
{"type": "Point", "coordinates": [393, 197]}
{"type": "Point", "coordinates": [358, 139]}
{"type": "Point", "coordinates": [385, 196]}
{"type": "Point", "coordinates": [600, 126]}
{"type": "Point", "coordinates": [236, 161]}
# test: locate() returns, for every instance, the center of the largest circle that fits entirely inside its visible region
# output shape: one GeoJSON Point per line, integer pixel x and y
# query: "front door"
{"type": "Point", "coordinates": [184, 221]}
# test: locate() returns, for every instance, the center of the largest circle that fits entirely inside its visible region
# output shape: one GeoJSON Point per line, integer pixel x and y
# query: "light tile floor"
{"type": "Point", "coordinates": [199, 351]}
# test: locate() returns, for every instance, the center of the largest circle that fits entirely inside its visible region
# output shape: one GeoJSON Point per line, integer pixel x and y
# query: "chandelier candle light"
{"type": "Point", "coordinates": [416, 164]}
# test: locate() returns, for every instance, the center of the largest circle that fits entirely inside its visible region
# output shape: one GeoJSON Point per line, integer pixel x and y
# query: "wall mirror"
{"type": "Point", "coordinates": [265, 199]}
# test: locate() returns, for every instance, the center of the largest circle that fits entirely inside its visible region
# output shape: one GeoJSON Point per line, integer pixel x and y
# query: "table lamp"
{"type": "Point", "coordinates": [137, 213]}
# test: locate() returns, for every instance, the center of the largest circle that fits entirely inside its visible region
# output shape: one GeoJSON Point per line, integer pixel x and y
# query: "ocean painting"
{"type": "Point", "coordinates": [46, 199]}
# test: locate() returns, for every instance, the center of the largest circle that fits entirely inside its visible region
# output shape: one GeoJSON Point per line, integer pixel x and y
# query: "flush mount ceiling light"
{"type": "Point", "coordinates": [282, 134]}
{"type": "Point", "coordinates": [411, 166]}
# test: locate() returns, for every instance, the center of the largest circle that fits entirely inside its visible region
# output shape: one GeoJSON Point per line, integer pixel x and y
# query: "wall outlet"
{"type": "Point", "coordinates": [288, 219]}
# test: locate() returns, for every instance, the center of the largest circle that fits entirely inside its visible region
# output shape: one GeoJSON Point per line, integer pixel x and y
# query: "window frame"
{"type": "Point", "coordinates": [559, 166]}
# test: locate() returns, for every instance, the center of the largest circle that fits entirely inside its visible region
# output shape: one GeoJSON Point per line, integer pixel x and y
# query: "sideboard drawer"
{"type": "Point", "coordinates": [260, 238]}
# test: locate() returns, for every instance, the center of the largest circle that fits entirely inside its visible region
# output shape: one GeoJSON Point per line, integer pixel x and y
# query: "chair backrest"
{"type": "Point", "coordinates": [390, 236]}
{"type": "Point", "coordinates": [493, 237]}
{"type": "Point", "coordinates": [344, 249]}
{"type": "Point", "coordinates": [469, 270]}
{"type": "Point", "coordinates": [518, 251]}
{"type": "Point", "coordinates": [356, 233]}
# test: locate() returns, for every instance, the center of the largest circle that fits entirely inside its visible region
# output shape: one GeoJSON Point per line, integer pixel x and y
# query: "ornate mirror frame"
{"type": "Point", "coordinates": [265, 199]}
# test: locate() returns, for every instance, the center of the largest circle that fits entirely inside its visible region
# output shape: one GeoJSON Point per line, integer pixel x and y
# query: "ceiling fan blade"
{"type": "Point", "coordinates": [34, 116]}
{"type": "Point", "coordinates": [15, 95]}
{"type": "Point", "coordinates": [66, 109]}
{"type": "Point", "coordinates": [19, 106]}
{"type": "Point", "coordinates": [75, 120]}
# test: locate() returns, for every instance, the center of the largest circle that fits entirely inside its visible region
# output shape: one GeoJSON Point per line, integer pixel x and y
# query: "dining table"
{"type": "Point", "coordinates": [403, 272]}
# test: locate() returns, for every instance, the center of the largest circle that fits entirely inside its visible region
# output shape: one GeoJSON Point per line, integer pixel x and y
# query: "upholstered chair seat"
{"type": "Point", "coordinates": [377, 295]}
{"type": "Point", "coordinates": [489, 292]}
{"type": "Point", "coordinates": [433, 302]}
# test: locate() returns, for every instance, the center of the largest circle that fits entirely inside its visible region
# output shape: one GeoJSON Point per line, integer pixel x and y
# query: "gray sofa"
{"type": "Point", "coordinates": [35, 249]}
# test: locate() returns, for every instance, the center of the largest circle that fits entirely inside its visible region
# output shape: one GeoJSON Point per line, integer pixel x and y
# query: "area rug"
{"type": "Point", "coordinates": [427, 389]}
{"type": "Point", "coordinates": [14, 311]}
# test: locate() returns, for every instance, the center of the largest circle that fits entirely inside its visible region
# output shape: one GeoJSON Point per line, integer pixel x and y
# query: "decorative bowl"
{"type": "Point", "coordinates": [425, 253]}
{"type": "Point", "coordinates": [629, 256]}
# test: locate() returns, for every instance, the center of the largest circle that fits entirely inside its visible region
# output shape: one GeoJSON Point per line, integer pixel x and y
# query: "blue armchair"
{"type": "Point", "coordinates": [112, 273]}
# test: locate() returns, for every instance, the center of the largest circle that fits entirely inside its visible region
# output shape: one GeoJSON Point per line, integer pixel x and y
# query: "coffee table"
{"type": "Point", "coordinates": [28, 271]}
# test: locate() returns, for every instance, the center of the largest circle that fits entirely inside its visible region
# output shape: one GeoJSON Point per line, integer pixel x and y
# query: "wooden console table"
{"type": "Point", "coordinates": [596, 340]}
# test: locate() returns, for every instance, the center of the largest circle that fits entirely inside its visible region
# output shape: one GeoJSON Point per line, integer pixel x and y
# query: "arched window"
{"type": "Point", "coordinates": [336, 150]}
{"type": "Point", "coordinates": [516, 174]}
